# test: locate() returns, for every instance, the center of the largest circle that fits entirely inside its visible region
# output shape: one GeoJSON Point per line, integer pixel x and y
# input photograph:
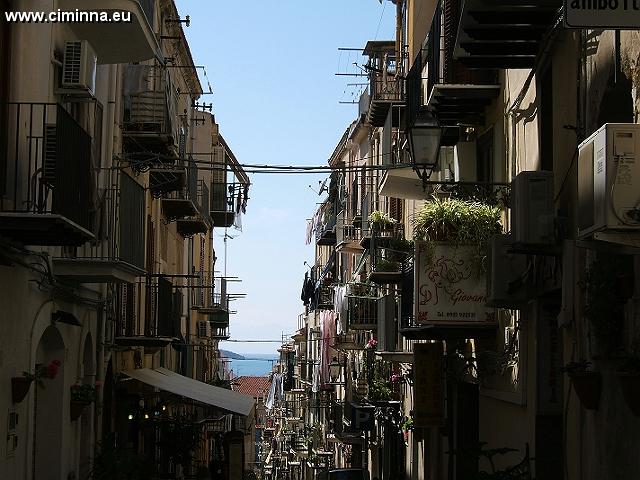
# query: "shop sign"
{"type": "Point", "coordinates": [428, 385]}
{"type": "Point", "coordinates": [618, 14]}
{"type": "Point", "coordinates": [450, 287]}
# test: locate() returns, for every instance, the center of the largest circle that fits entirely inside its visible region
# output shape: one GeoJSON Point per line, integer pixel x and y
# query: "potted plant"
{"type": "Point", "coordinates": [381, 222]}
{"type": "Point", "coordinates": [81, 396]}
{"type": "Point", "coordinates": [452, 238]}
{"type": "Point", "coordinates": [586, 383]}
{"type": "Point", "coordinates": [629, 380]}
{"type": "Point", "coordinates": [20, 385]}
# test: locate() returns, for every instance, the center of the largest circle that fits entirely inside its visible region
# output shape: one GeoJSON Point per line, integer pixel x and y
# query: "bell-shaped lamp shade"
{"type": "Point", "coordinates": [424, 145]}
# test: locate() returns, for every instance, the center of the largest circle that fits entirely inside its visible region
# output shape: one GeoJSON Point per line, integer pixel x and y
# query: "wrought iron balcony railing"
{"type": "Point", "coordinates": [227, 201]}
{"type": "Point", "coordinates": [119, 252]}
{"type": "Point", "coordinates": [46, 178]}
{"type": "Point", "coordinates": [362, 312]}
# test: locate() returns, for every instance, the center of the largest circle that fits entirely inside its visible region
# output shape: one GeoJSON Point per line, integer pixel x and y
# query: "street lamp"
{"type": "Point", "coordinates": [335, 370]}
{"type": "Point", "coordinates": [424, 146]}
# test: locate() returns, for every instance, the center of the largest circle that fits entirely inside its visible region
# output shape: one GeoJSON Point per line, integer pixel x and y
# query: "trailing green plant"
{"type": "Point", "coordinates": [381, 219]}
{"type": "Point", "coordinates": [385, 265]}
{"type": "Point", "coordinates": [576, 368]}
{"type": "Point", "coordinates": [84, 393]}
{"type": "Point", "coordinates": [460, 222]}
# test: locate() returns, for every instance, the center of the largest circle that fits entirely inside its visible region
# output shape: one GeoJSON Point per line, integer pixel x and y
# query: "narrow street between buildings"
{"type": "Point", "coordinates": [421, 266]}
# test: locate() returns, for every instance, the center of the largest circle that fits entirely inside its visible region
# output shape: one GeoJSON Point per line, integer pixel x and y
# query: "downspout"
{"type": "Point", "coordinates": [399, 62]}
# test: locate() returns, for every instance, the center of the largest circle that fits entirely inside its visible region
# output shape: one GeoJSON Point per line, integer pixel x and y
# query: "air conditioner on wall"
{"type": "Point", "coordinates": [506, 279]}
{"type": "Point", "coordinates": [533, 208]}
{"type": "Point", "coordinates": [79, 67]}
{"type": "Point", "coordinates": [609, 180]}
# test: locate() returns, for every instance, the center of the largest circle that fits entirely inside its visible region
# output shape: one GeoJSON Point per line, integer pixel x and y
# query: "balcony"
{"type": "Point", "coordinates": [149, 127]}
{"type": "Point", "coordinates": [118, 255]}
{"type": "Point", "coordinates": [362, 312]}
{"type": "Point", "coordinates": [389, 262]}
{"type": "Point", "coordinates": [167, 177]}
{"type": "Point", "coordinates": [200, 222]}
{"type": "Point", "coordinates": [347, 236]}
{"type": "Point", "coordinates": [210, 295]}
{"type": "Point", "coordinates": [454, 94]}
{"type": "Point", "coordinates": [122, 42]}
{"type": "Point", "coordinates": [45, 164]}
{"type": "Point", "coordinates": [353, 340]}
{"type": "Point", "coordinates": [325, 227]}
{"type": "Point", "coordinates": [227, 200]}
{"type": "Point", "coordinates": [505, 34]}
{"type": "Point", "coordinates": [148, 313]}
{"type": "Point", "coordinates": [220, 333]}
{"type": "Point", "coordinates": [186, 204]}
{"type": "Point", "coordinates": [385, 88]}
{"type": "Point", "coordinates": [322, 299]}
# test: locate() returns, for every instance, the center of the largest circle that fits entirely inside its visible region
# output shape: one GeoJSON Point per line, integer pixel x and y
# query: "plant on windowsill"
{"type": "Point", "coordinates": [586, 383]}
{"type": "Point", "coordinates": [20, 385]}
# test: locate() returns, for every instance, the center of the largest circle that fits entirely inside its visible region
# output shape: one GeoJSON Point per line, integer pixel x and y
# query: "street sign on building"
{"type": "Point", "coordinates": [611, 14]}
{"type": "Point", "coordinates": [362, 417]}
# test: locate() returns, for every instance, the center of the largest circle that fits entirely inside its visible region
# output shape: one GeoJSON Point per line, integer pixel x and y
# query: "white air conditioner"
{"type": "Point", "coordinates": [506, 279]}
{"type": "Point", "coordinates": [533, 208]}
{"type": "Point", "coordinates": [609, 180]}
{"type": "Point", "coordinates": [204, 329]}
{"type": "Point", "coordinates": [79, 67]}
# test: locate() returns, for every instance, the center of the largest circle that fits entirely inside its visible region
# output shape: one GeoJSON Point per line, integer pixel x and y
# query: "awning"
{"type": "Point", "coordinates": [187, 387]}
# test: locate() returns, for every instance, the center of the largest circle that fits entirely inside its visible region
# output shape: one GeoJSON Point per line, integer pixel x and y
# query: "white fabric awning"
{"type": "Point", "coordinates": [188, 387]}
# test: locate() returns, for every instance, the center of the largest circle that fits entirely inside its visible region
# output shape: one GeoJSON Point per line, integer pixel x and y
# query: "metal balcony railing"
{"type": "Point", "coordinates": [45, 168]}
{"type": "Point", "coordinates": [362, 312]}
{"type": "Point", "coordinates": [209, 293]}
{"type": "Point", "coordinates": [183, 202]}
{"type": "Point", "coordinates": [227, 201]}
{"type": "Point", "coordinates": [120, 223]}
{"type": "Point", "coordinates": [325, 228]}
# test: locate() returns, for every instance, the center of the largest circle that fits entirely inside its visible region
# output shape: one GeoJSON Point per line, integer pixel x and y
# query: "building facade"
{"type": "Point", "coordinates": [113, 180]}
{"type": "Point", "coordinates": [522, 367]}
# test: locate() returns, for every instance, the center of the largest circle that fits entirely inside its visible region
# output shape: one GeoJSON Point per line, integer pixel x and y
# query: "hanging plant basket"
{"type": "Point", "coordinates": [19, 388]}
{"type": "Point", "coordinates": [587, 386]}
{"type": "Point", "coordinates": [630, 387]}
{"type": "Point", "coordinates": [76, 409]}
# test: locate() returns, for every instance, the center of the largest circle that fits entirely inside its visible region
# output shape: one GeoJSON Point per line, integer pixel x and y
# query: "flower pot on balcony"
{"type": "Point", "coordinates": [630, 387]}
{"type": "Point", "coordinates": [19, 388]}
{"type": "Point", "coordinates": [76, 409]}
{"type": "Point", "coordinates": [587, 386]}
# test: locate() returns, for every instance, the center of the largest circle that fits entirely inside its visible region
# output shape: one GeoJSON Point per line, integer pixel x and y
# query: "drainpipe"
{"type": "Point", "coordinates": [399, 61]}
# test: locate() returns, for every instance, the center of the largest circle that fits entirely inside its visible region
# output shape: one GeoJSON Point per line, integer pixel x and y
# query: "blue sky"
{"type": "Point", "coordinates": [272, 67]}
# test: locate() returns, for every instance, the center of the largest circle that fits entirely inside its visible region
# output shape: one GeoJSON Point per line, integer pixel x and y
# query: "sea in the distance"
{"type": "Point", "coordinates": [254, 364]}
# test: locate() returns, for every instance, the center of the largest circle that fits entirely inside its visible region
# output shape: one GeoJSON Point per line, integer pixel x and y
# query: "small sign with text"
{"type": "Point", "coordinates": [612, 14]}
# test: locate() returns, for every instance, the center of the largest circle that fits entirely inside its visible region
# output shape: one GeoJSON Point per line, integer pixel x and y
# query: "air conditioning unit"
{"type": "Point", "coordinates": [533, 208]}
{"type": "Point", "coordinates": [506, 279]}
{"type": "Point", "coordinates": [204, 329]}
{"type": "Point", "coordinates": [79, 67]}
{"type": "Point", "coordinates": [609, 180]}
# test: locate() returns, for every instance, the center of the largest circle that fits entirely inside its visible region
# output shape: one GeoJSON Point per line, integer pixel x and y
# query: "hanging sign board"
{"type": "Point", "coordinates": [450, 287]}
{"type": "Point", "coordinates": [611, 14]}
{"type": "Point", "coordinates": [428, 385]}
